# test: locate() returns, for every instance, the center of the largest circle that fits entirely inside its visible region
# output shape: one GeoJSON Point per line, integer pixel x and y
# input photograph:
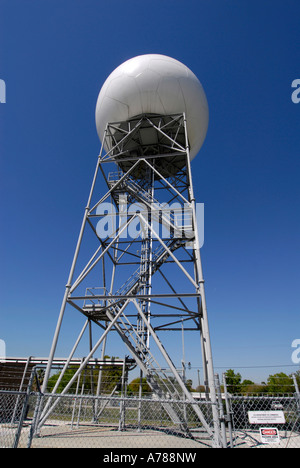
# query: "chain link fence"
{"type": "Point", "coordinates": [29, 418]}
{"type": "Point", "coordinates": [105, 422]}
{"type": "Point", "coordinates": [12, 405]}
{"type": "Point", "coordinates": [265, 421]}
{"type": "Point", "coordinates": [262, 420]}
{"type": "Point", "coordinates": [84, 421]}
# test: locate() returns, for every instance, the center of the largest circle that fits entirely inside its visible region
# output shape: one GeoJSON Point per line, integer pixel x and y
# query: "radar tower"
{"type": "Point", "coordinates": [143, 279]}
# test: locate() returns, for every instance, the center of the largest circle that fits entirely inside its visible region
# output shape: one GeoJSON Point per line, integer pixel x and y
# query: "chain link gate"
{"type": "Point", "coordinates": [238, 428]}
{"type": "Point", "coordinates": [14, 406]}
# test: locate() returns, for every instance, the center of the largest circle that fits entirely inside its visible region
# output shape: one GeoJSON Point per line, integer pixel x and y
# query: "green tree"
{"type": "Point", "coordinates": [247, 382]}
{"type": "Point", "coordinates": [64, 382]}
{"type": "Point", "coordinates": [280, 383]}
{"type": "Point", "coordinates": [234, 381]}
{"type": "Point", "coordinates": [253, 388]}
{"type": "Point", "coordinates": [134, 387]}
{"type": "Point", "coordinates": [297, 374]}
{"type": "Point", "coordinates": [111, 376]}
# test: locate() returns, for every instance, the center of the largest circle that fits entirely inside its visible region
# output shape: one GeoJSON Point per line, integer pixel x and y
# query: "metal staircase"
{"type": "Point", "coordinates": [178, 222]}
{"type": "Point", "coordinates": [170, 390]}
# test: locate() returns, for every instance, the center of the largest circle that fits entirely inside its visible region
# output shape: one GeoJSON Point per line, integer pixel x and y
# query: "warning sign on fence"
{"type": "Point", "coordinates": [266, 417]}
{"type": "Point", "coordinates": [269, 435]}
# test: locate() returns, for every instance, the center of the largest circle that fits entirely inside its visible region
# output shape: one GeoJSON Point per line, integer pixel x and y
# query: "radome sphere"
{"type": "Point", "coordinates": [154, 84]}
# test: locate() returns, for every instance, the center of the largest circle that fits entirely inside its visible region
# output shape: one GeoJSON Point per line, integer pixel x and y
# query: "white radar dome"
{"type": "Point", "coordinates": [154, 84]}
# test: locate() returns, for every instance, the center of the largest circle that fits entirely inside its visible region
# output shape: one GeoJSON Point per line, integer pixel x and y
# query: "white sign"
{"type": "Point", "coordinates": [269, 435]}
{"type": "Point", "coordinates": [266, 417]}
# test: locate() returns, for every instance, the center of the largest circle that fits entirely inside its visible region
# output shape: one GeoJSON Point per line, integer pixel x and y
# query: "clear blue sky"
{"type": "Point", "coordinates": [54, 58]}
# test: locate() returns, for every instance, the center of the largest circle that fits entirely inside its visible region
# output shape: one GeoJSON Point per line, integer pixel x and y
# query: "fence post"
{"type": "Point", "coordinates": [228, 411]}
{"type": "Point", "coordinates": [34, 422]}
{"type": "Point", "coordinates": [221, 411]}
{"type": "Point", "coordinates": [20, 389]}
{"type": "Point", "coordinates": [297, 391]}
{"type": "Point", "coordinates": [123, 402]}
{"type": "Point", "coordinates": [296, 385]}
{"type": "Point", "coordinates": [24, 409]}
{"type": "Point", "coordinates": [33, 427]}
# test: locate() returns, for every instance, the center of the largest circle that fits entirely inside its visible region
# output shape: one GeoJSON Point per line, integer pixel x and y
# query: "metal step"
{"type": "Point", "coordinates": [159, 213]}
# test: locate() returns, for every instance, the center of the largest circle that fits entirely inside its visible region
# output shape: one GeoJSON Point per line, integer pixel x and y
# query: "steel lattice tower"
{"type": "Point", "coordinates": [144, 273]}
